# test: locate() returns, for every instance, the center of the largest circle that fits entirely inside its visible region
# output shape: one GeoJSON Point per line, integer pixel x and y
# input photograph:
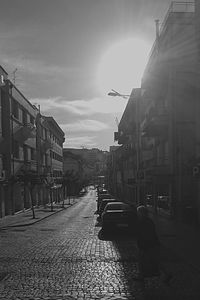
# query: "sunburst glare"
{"type": "Point", "coordinates": [122, 65]}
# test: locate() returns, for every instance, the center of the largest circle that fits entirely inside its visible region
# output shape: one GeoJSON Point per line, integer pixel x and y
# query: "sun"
{"type": "Point", "coordinates": [122, 65]}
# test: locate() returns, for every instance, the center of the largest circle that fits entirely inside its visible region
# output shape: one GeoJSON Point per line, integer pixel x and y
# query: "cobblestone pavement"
{"type": "Point", "coordinates": [67, 257]}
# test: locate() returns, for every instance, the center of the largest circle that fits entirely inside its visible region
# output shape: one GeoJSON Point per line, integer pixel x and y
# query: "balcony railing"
{"type": "Point", "coordinates": [46, 145]}
{"type": "Point", "coordinates": [30, 165]}
{"type": "Point", "coordinates": [22, 133]}
{"type": "Point", "coordinates": [178, 7]}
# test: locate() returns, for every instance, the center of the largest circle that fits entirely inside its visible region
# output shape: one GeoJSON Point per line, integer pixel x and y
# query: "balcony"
{"type": "Point", "coordinates": [121, 137]}
{"type": "Point", "coordinates": [47, 170]}
{"type": "Point", "coordinates": [46, 145]}
{"type": "Point", "coordinates": [22, 133]}
{"type": "Point", "coordinates": [30, 165]}
{"type": "Point", "coordinates": [128, 150]}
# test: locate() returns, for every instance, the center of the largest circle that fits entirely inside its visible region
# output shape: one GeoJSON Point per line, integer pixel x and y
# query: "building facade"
{"type": "Point", "coordinates": [49, 140]}
{"type": "Point", "coordinates": [165, 128]}
{"type": "Point", "coordinates": [17, 146]}
{"type": "Point", "coordinates": [31, 164]}
{"type": "Point", "coordinates": [170, 121]}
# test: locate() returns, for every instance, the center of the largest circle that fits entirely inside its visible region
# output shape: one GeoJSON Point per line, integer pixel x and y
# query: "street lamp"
{"type": "Point", "coordinates": [115, 93]}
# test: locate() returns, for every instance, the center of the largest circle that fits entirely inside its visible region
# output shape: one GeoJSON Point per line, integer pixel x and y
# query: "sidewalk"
{"type": "Point", "coordinates": [183, 240]}
{"type": "Point", "coordinates": [25, 218]}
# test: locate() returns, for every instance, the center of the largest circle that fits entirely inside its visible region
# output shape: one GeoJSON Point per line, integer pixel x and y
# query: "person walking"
{"type": "Point", "coordinates": [149, 247]}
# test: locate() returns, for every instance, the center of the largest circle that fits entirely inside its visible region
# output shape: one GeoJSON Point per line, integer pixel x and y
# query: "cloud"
{"type": "Point", "coordinates": [80, 141]}
{"type": "Point", "coordinates": [104, 105]}
{"type": "Point", "coordinates": [100, 105]}
{"type": "Point", "coordinates": [37, 67]}
{"type": "Point", "coordinates": [85, 126]}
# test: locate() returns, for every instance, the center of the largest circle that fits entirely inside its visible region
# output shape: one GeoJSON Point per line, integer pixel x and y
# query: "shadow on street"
{"type": "Point", "coordinates": [124, 241]}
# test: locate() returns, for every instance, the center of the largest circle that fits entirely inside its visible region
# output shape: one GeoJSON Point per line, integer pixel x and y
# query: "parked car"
{"type": "Point", "coordinates": [103, 204]}
{"type": "Point", "coordinates": [101, 197]}
{"type": "Point", "coordinates": [118, 214]}
{"type": "Point", "coordinates": [101, 191]}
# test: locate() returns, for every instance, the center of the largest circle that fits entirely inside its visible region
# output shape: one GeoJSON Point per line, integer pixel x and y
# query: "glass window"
{"type": "Point", "coordinates": [45, 132]}
{"type": "Point", "coordinates": [16, 149]}
{"type": "Point", "coordinates": [15, 110]}
{"type": "Point", "coordinates": [33, 156]}
{"type": "Point", "coordinates": [24, 117]}
{"type": "Point", "coordinates": [25, 152]}
{"type": "Point", "coordinates": [32, 120]}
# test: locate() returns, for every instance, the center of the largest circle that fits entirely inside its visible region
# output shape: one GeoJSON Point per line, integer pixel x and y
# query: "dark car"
{"type": "Point", "coordinates": [104, 202]}
{"type": "Point", "coordinates": [102, 206]}
{"type": "Point", "coordinates": [118, 215]}
{"type": "Point", "coordinates": [101, 197]}
{"type": "Point", "coordinates": [101, 190]}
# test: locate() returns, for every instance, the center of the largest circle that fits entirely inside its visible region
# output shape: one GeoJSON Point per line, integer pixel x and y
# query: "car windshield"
{"type": "Point", "coordinates": [103, 191]}
{"type": "Point", "coordinates": [105, 201]}
{"type": "Point", "coordinates": [105, 196]}
{"type": "Point", "coordinates": [117, 206]}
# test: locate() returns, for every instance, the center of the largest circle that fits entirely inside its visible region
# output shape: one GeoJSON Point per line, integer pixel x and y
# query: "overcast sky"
{"type": "Point", "coordinates": [62, 50]}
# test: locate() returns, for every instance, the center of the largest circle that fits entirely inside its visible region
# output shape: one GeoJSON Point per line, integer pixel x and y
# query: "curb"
{"type": "Point", "coordinates": [35, 221]}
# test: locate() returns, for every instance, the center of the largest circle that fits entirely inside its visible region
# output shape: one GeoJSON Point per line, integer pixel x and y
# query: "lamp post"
{"type": "Point", "coordinates": [114, 93]}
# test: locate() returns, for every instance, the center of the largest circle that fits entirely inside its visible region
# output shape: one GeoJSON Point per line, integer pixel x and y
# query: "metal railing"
{"type": "Point", "coordinates": [178, 7]}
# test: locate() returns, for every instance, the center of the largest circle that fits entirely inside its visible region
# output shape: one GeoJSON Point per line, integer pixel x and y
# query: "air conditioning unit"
{"type": "Point", "coordinates": [2, 175]}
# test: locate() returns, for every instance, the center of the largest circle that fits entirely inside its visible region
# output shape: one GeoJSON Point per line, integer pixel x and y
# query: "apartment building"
{"type": "Point", "coordinates": [169, 123]}
{"type": "Point", "coordinates": [167, 120]}
{"type": "Point", "coordinates": [49, 141]}
{"type": "Point", "coordinates": [31, 158]}
{"type": "Point", "coordinates": [17, 146]}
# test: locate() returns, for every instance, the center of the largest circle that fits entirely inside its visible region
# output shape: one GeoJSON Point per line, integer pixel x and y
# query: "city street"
{"type": "Point", "coordinates": [66, 257]}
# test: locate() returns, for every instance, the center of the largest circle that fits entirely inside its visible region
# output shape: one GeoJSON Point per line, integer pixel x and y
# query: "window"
{"type": "Point", "coordinates": [45, 133]}
{"type": "Point", "coordinates": [33, 154]}
{"type": "Point", "coordinates": [3, 113]}
{"type": "Point", "coordinates": [15, 149]}
{"type": "Point", "coordinates": [24, 117]}
{"type": "Point", "coordinates": [32, 120]}
{"type": "Point", "coordinates": [15, 110]}
{"type": "Point", "coordinates": [25, 152]}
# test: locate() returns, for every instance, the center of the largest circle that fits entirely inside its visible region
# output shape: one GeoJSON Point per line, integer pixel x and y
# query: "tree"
{"type": "Point", "coordinates": [30, 179]}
